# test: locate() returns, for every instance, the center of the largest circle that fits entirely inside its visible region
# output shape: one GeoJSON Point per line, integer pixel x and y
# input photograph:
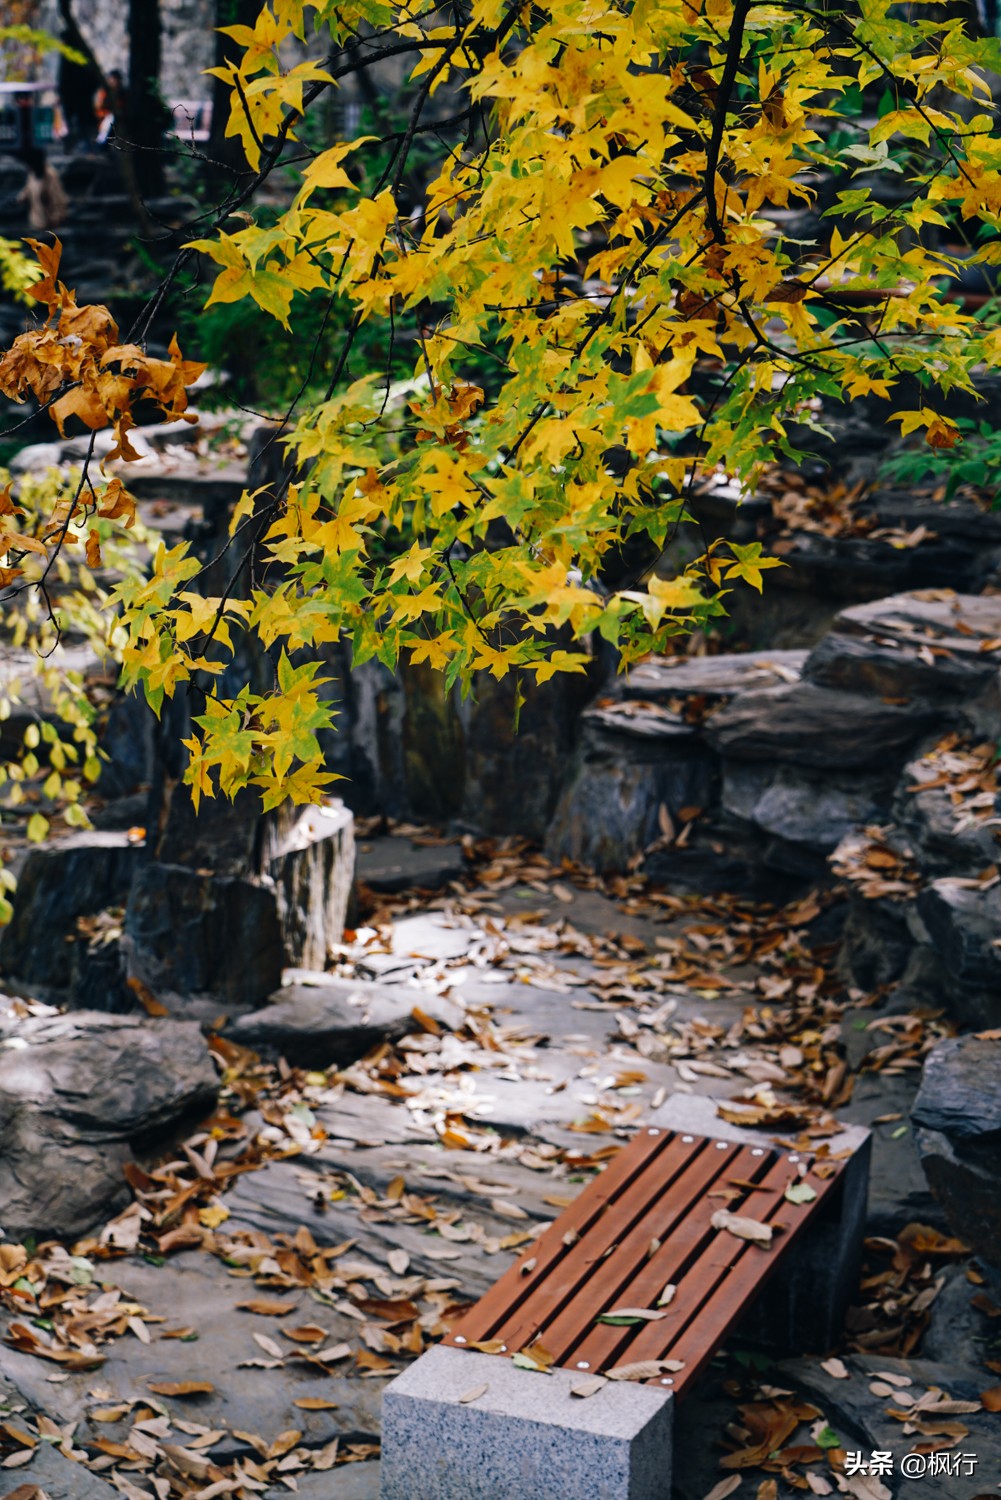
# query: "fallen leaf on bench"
{"type": "Point", "coordinates": [800, 1192]}
{"type": "Point", "coordinates": [744, 1229]}
{"type": "Point", "coordinates": [528, 1265]}
{"type": "Point", "coordinates": [724, 1488]}
{"type": "Point", "coordinates": [836, 1369]}
{"type": "Point", "coordinates": [525, 1362]}
{"type": "Point", "coordinates": [646, 1369]}
{"type": "Point", "coordinates": [622, 1317]}
{"type": "Point", "coordinates": [667, 1295]}
{"type": "Point", "coordinates": [473, 1395]}
{"type": "Point", "coordinates": [589, 1387]}
{"type": "Point", "coordinates": [488, 1346]}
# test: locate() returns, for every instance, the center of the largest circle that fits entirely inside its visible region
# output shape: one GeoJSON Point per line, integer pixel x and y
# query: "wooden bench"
{"type": "Point", "coordinates": [650, 1221]}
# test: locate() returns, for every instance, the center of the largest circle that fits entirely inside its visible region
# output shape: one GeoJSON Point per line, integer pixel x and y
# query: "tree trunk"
{"type": "Point", "coordinates": [146, 115]}
{"type": "Point", "coordinates": [228, 151]}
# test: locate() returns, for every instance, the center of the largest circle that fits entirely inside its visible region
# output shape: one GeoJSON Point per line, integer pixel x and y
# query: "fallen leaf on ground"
{"type": "Point", "coordinates": [181, 1387]}
{"type": "Point", "coordinates": [474, 1394]}
{"type": "Point", "coordinates": [725, 1487]}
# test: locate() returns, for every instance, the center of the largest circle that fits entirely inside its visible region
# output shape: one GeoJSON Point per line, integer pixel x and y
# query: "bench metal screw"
{"type": "Point", "coordinates": [758, 1151]}
{"type": "Point", "coordinates": [668, 1381]}
{"type": "Point", "coordinates": [460, 1338]}
{"type": "Point", "coordinates": [687, 1140]}
{"type": "Point", "coordinates": [721, 1145]}
{"type": "Point", "coordinates": [583, 1364]}
{"type": "Point", "coordinates": [653, 1132]}
{"type": "Point", "coordinates": [503, 1348]}
{"type": "Point", "coordinates": [794, 1158]}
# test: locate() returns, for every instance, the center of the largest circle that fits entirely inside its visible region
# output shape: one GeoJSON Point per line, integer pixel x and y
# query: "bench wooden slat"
{"type": "Point", "coordinates": [743, 1270]}
{"type": "Point", "coordinates": [605, 1345]}
{"type": "Point", "coordinates": [597, 1257]}
{"type": "Point", "coordinates": [516, 1284]}
{"type": "Point", "coordinates": [575, 1276]}
{"type": "Point", "coordinates": [672, 1216]}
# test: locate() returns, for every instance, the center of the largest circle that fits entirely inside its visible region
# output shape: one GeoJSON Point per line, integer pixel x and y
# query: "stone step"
{"type": "Point", "coordinates": [928, 643]}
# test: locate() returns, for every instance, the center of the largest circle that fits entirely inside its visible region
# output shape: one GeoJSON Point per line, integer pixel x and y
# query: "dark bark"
{"type": "Point", "coordinates": [141, 140]}
{"type": "Point", "coordinates": [227, 151]}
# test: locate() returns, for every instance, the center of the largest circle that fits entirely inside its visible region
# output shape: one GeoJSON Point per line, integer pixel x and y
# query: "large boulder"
{"type": "Point", "coordinates": [807, 813]}
{"type": "Point", "coordinates": [660, 679]}
{"type": "Point", "coordinates": [805, 725]}
{"type": "Point", "coordinates": [79, 1096]}
{"type": "Point", "coordinates": [963, 922]}
{"type": "Point", "coordinates": [634, 759]}
{"type": "Point", "coordinates": [320, 1021]}
{"type": "Point", "coordinates": [61, 882]}
{"type": "Point", "coordinates": [957, 1114]}
{"type": "Point", "coordinates": [928, 643]}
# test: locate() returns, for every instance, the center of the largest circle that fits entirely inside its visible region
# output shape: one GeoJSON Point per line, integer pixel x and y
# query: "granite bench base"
{"type": "Point", "coordinates": [524, 1435]}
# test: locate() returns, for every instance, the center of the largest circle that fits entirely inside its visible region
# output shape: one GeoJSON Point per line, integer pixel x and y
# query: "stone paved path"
{"type": "Point", "coordinates": [248, 1319]}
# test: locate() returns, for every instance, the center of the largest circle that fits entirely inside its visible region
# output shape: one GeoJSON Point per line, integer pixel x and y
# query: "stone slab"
{"type": "Point", "coordinates": [321, 1021]}
{"type": "Point", "coordinates": [524, 1435]}
{"type": "Point", "coordinates": [389, 865]}
{"type": "Point", "coordinates": [712, 677]}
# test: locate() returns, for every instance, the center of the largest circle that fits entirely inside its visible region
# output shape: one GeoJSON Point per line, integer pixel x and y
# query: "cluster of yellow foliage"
{"type": "Point", "coordinates": [603, 229]}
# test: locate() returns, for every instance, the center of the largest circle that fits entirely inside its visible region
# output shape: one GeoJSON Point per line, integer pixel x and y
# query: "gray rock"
{"type": "Point", "coordinates": [808, 811]}
{"type": "Point", "coordinates": [78, 876]}
{"type": "Point", "coordinates": [933, 826]}
{"type": "Point", "coordinates": [79, 1095]}
{"type": "Point", "coordinates": [347, 1482]}
{"type": "Point", "coordinates": [962, 924]}
{"type": "Point", "coordinates": [958, 1118]}
{"type": "Point", "coordinates": [910, 644]}
{"type": "Point", "coordinates": [192, 932]}
{"type": "Point", "coordinates": [334, 1021]}
{"type": "Point", "coordinates": [62, 1478]}
{"type": "Point", "coordinates": [711, 677]}
{"type": "Point", "coordinates": [877, 941]}
{"type": "Point", "coordinates": [633, 760]}
{"type": "Point", "coordinates": [805, 725]}
{"type": "Point", "coordinates": [193, 1289]}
